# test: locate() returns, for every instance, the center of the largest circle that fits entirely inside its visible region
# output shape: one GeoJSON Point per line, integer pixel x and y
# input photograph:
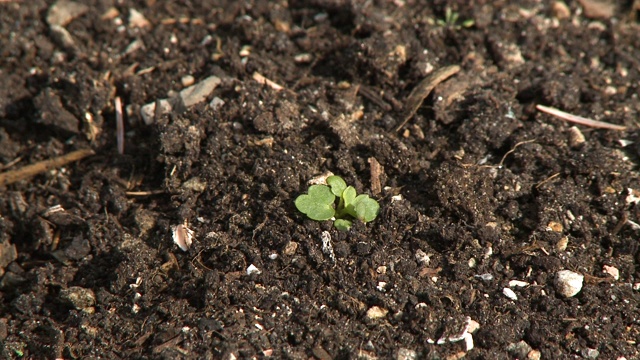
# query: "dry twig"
{"type": "Point", "coordinates": [423, 89]}
{"type": "Point", "coordinates": [579, 119]}
{"type": "Point", "coordinates": [28, 171]}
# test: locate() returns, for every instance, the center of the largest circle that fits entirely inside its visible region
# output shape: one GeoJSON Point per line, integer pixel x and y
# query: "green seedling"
{"type": "Point", "coordinates": [318, 204]}
{"type": "Point", "coordinates": [451, 20]}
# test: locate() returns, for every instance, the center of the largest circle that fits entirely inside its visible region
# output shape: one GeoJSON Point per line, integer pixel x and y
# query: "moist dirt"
{"type": "Point", "coordinates": [479, 191]}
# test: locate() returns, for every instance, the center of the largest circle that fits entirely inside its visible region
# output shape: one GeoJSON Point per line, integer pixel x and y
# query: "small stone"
{"type": "Point", "coordinates": [510, 294]}
{"type": "Point", "coordinates": [79, 297]}
{"type": "Point", "coordinates": [187, 80]}
{"type": "Point", "coordinates": [252, 269]}
{"type": "Point", "coordinates": [199, 92]}
{"type": "Point", "coordinates": [195, 184]}
{"type": "Point", "coordinates": [63, 12]}
{"type": "Point", "coordinates": [406, 354]}
{"type": "Point", "coordinates": [560, 10]}
{"type": "Point", "coordinates": [216, 103]}
{"type": "Point", "coordinates": [589, 353]}
{"type": "Point", "coordinates": [376, 312]}
{"type": "Point", "coordinates": [136, 19]}
{"type": "Point", "coordinates": [595, 9]}
{"type": "Point", "coordinates": [290, 248]}
{"type": "Point", "coordinates": [568, 283]}
{"type": "Point", "coordinates": [576, 138]}
{"type": "Point", "coordinates": [534, 355]}
{"type": "Point", "coordinates": [519, 350]}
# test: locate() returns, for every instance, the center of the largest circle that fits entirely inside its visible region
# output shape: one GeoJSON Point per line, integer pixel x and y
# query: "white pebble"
{"type": "Point", "coordinates": [568, 283]}
{"type": "Point", "coordinates": [510, 294]}
{"type": "Point", "coordinates": [252, 269]}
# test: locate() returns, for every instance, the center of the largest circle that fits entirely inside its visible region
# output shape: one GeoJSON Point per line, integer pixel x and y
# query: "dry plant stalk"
{"type": "Point", "coordinates": [28, 171]}
{"type": "Point", "coordinates": [579, 119]}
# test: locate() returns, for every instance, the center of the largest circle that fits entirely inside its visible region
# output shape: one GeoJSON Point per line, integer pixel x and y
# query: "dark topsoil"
{"type": "Point", "coordinates": [101, 277]}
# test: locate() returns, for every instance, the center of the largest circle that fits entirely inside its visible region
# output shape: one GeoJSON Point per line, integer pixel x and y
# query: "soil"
{"type": "Point", "coordinates": [477, 189]}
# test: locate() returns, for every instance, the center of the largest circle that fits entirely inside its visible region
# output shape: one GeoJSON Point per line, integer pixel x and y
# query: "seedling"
{"type": "Point", "coordinates": [451, 20]}
{"type": "Point", "coordinates": [319, 204]}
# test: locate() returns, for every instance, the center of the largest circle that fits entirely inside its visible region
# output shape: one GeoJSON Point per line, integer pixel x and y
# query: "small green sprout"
{"type": "Point", "coordinates": [451, 20]}
{"type": "Point", "coordinates": [318, 204]}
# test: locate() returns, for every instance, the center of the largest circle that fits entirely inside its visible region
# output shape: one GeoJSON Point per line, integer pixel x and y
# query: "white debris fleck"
{"type": "Point", "coordinates": [376, 312]}
{"type": "Point", "coordinates": [468, 341]}
{"type": "Point", "coordinates": [381, 286]}
{"type": "Point", "coordinates": [396, 198]}
{"type": "Point", "coordinates": [135, 308]}
{"type": "Point", "coordinates": [614, 272]}
{"type": "Point", "coordinates": [518, 283]}
{"type": "Point", "coordinates": [320, 179]}
{"type": "Point", "coordinates": [258, 326]}
{"type": "Point", "coordinates": [252, 269]}
{"type": "Point", "coordinates": [136, 19]}
{"type": "Point", "coordinates": [327, 248]}
{"type": "Point", "coordinates": [484, 277]}
{"type": "Point", "coordinates": [568, 283]}
{"type": "Point", "coordinates": [273, 256]}
{"type": "Point", "coordinates": [510, 294]}
{"type": "Point", "coordinates": [422, 257]}
{"type": "Point", "coordinates": [182, 236]}
{"type": "Point", "coordinates": [633, 197]}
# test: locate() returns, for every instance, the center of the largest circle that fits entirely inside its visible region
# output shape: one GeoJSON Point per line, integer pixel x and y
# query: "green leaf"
{"type": "Point", "coordinates": [349, 195]}
{"type": "Point", "coordinates": [366, 208]}
{"type": "Point", "coordinates": [337, 185]}
{"type": "Point", "coordinates": [318, 204]}
{"type": "Point", "coordinates": [342, 224]}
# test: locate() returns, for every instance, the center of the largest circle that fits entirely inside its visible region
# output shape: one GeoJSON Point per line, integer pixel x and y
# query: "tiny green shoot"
{"type": "Point", "coordinates": [319, 204]}
{"type": "Point", "coordinates": [451, 20]}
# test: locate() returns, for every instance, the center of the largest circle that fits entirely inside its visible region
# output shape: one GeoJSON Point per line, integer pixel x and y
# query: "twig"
{"type": "Point", "coordinates": [263, 80]}
{"type": "Point", "coordinates": [28, 171]}
{"type": "Point", "coordinates": [144, 193]}
{"type": "Point", "coordinates": [514, 149]}
{"type": "Point", "coordinates": [579, 119]}
{"type": "Point", "coordinates": [119, 126]}
{"type": "Point", "coordinates": [423, 89]}
{"type": "Point", "coordinates": [547, 180]}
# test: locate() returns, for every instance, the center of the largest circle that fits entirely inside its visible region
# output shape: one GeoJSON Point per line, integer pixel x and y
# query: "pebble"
{"type": "Point", "coordinates": [568, 283]}
{"type": "Point", "coordinates": [252, 269]}
{"type": "Point", "coordinates": [406, 354]}
{"type": "Point", "coordinates": [136, 19]}
{"type": "Point", "coordinates": [63, 12]}
{"type": "Point", "coordinates": [376, 312]}
{"type": "Point", "coordinates": [510, 294]}
{"type": "Point", "coordinates": [519, 350]}
{"type": "Point", "coordinates": [79, 297]}
{"type": "Point", "coordinates": [187, 80]}
{"type": "Point", "coordinates": [189, 96]}
{"type": "Point", "coordinates": [576, 138]}
{"type": "Point", "coordinates": [589, 353]}
{"type": "Point", "coordinates": [560, 10]}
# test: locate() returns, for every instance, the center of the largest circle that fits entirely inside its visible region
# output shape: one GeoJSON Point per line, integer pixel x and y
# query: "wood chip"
{"type": "Point", "coordinates": [376, 172]}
